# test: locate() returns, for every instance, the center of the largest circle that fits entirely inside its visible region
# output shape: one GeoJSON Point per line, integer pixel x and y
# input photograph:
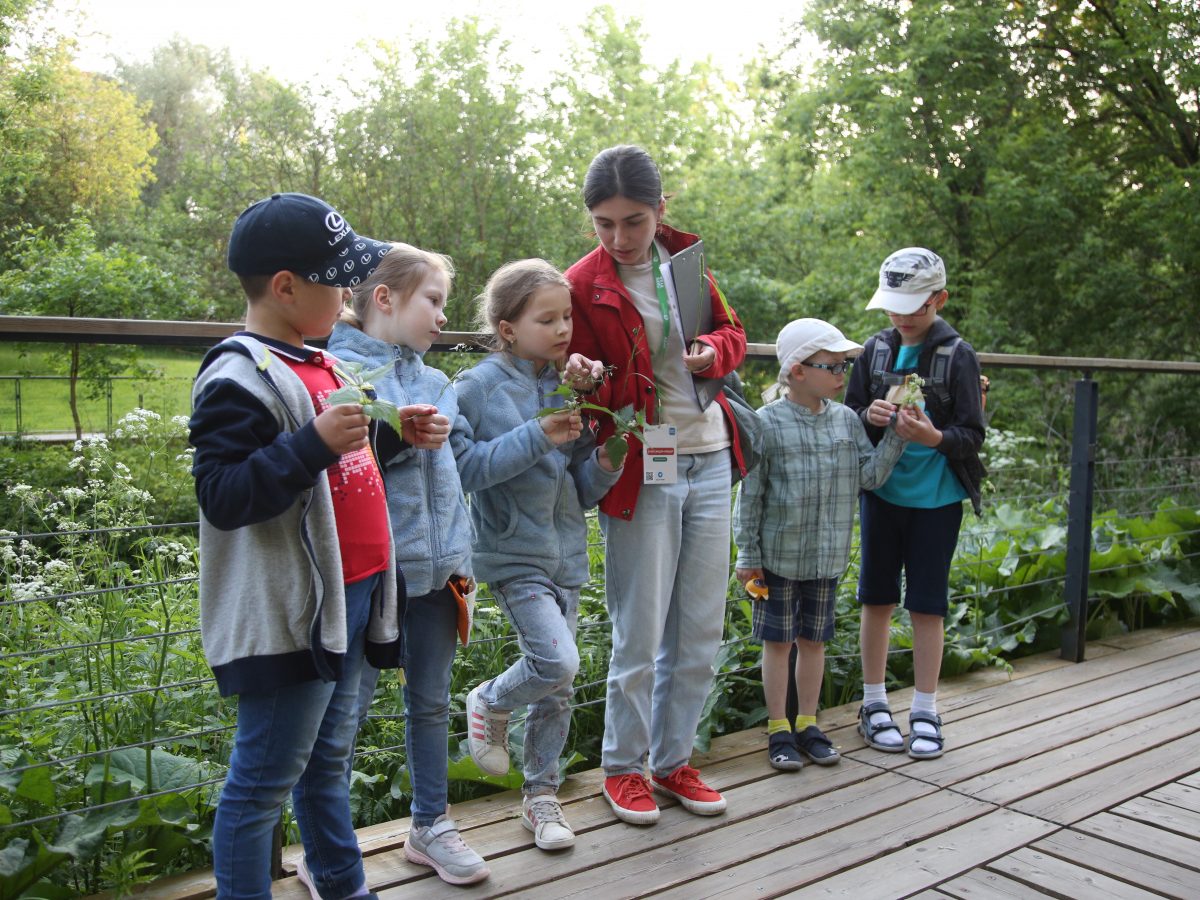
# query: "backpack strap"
{"type": "Point", "coordinates": [938, 380]}
{"type": "Point", "coordinates": [881, 364]}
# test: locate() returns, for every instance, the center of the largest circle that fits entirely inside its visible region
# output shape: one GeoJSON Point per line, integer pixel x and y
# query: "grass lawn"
{"type": "Point", "coordinates": [26, 378]}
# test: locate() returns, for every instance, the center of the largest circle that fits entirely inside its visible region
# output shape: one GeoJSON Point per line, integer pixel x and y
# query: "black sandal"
{"type": "Point", "coordinates": [936, 722]}
{"type": "Point", "coordinates": [816, 746]}
{"type": "Point", "coordinates": [870, 732]}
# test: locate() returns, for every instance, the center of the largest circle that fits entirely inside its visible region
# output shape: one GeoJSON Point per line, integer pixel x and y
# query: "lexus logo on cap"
{"type": "Point", "coordinates": [334, 222]}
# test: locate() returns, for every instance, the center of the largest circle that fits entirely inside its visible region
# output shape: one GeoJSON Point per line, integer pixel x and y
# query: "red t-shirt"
{"type": "Point", "coordinates": [359, 498]}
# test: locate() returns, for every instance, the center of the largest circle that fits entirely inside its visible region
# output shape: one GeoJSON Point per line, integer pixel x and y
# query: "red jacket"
{"type": "Point", "coordinates": [605, 319]}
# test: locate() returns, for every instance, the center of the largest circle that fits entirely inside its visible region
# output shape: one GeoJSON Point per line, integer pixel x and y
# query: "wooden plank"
{"type": "Point", "coordinates": [1048, 765]}
{"type": "Point", "coordinates": [1064, 879]}
{"type": "Point", "coordinates": [1069, 674]}
{"type": "Point", "coordinates": [1147, 839]}
{"type": "Point", "coordinates": [632, 863]}
{"type": "Point", "coordinates": [1101, 789]}
{"type": "Point", "coordinates": [980, 884]}
{"type": "Point", "coordinates": [601, 840]}
{"type": "Point", "coordinates": [1033, 730]}
{"type": "Point", "coordinates": [1161, 815]}
{"type": "Point", "coordinates": [1192, 780]}
{"type": "Point", "coordinates": [891, 854]}
{"type": "Point", "coordinates": [1068, 714]}
{"type": "Point", "coordinates": [1143, 636]}
{"type": "Point", "coordinates": [1178, 794]}
{"type": "Point", "coordinates": [1122, 863]}
{"type": "Point", "coordinates": [933, 860]}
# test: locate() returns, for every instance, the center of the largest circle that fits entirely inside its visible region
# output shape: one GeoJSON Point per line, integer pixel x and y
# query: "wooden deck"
{"type": "Point", "coordinates": [1069, 780]}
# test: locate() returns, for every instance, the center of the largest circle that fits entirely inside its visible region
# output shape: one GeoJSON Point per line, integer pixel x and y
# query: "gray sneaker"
{"type": "Point", "coordinates": [440, 846]}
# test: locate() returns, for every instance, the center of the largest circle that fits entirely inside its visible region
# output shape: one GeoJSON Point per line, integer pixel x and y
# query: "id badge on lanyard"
{"type": "Point", "coordinates": [660, 462]}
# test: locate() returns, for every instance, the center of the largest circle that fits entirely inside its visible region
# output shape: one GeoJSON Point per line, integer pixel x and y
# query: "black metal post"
{"type": "Point", "coordinates": [1079, 518]}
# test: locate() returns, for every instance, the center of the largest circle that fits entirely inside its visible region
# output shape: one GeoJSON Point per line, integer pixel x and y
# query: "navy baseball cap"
{"type": "Point", "coordinates": [301, 234]}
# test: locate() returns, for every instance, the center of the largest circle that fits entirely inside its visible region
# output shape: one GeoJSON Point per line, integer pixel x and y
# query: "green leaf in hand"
{"type": "Point", "coordinates": [348, 394]}
{"type": "Point", "coordinates": [616, 449]}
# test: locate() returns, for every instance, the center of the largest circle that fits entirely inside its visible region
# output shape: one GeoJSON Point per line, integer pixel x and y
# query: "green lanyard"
{"type": "Point", "coordinates": [660, 288]}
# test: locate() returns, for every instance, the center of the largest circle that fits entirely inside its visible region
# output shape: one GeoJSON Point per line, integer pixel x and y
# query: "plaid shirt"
{"type": "Point", "coordinates": [795, 511]}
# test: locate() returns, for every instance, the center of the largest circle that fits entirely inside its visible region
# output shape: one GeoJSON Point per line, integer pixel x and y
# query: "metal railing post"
{"type": "Point", "coordinates": [1079, 518]}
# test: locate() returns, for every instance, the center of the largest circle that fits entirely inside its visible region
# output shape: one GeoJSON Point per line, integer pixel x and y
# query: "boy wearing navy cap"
{"type": "Point", "coordinates": [297, 575]}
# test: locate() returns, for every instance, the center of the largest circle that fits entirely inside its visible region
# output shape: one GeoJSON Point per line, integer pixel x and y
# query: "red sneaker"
{"type": "Point", "coordinates": [684, 785]}
{"type": "Point", "coordinates": [631, 798]}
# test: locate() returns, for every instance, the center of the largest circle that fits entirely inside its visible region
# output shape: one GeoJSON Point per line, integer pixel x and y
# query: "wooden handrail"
{"type": "Point", "coordinates": [68, 330]}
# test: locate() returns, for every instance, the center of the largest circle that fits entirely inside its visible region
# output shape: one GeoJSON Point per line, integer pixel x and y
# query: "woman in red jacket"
{"type": "Point", "coordinates": [666, 533]}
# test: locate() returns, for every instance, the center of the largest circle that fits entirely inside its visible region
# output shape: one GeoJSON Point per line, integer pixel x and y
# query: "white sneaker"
{"type": "Point", "coordinates": [487, 734]}
{"type": "Point", "coordinates": [542, 814]}
{"type": "Point", "coordinates": [306, 879]}
{"type": "Point", "coordinates": [441, 846]}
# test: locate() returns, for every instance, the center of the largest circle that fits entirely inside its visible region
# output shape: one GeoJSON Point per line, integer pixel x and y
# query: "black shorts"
{"type": "Point", "coordinates": [921, 542]}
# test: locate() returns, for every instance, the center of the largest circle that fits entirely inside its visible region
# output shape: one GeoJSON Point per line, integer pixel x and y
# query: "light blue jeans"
{"type": "Point", "coordinates": [299, 739]}
{"type": "Point", "coordinates": [666, 578]}
{"type": "Point", "coordinates": [430, 639]}
{"type": "Point", "coordinates": [544, 617]}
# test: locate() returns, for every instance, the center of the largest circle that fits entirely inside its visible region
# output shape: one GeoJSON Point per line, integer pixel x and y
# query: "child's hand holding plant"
{"type": "Point", "coordinates": [419, 424]}
{"type": "Point", "coordinates": [582, 376]}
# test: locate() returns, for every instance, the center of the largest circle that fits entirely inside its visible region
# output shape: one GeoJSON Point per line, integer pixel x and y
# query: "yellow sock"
{"type": "Point", "coordinates": [803, 722]}
{"type": "Point", "coordinates": [775, 726]}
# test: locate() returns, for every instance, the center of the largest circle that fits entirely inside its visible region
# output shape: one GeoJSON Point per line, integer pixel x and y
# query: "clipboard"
{"type": "Point", "coordinates": [693, 305]}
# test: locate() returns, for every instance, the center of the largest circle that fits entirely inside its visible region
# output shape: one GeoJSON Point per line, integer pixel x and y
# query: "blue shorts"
{"type": "Point", "coordinates": [921, 542]}
{"type": "Point", "coordinates": [795, 609]}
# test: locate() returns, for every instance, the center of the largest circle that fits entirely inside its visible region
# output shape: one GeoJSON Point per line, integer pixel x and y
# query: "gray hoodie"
{"type": "Point", "coordinates": [528, 496]}
{"type": "Point", "coordinates": [430, 524]}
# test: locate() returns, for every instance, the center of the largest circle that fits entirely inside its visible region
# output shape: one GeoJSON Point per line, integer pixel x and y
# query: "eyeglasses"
{"type": "Point", "coordinates": [839, 368]}
{"type": "Point", "coordinates": [918, 312]}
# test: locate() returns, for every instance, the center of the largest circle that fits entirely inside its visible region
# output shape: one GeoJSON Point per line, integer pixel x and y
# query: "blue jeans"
{"type": "Point", "coordinates": [295, 739]}
{"type": "Point", "coordinates": [544, 617]}
{"type": "Point", "coordinates": [666, 579]}
{"type": "Point", "coordinates": [430, 639]}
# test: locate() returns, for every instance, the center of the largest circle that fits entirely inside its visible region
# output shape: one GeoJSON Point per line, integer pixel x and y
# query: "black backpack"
{"type": "Point", "coordinates": [937, 382]}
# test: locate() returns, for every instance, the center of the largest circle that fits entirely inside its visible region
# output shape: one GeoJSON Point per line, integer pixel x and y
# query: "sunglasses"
{"type": "Point", "coordinates": [839, 368]}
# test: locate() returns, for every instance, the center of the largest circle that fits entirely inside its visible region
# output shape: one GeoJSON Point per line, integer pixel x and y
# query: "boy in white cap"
{"type": "Point", "coordinates": [911, 523]}
{"type": "Point", "coordinates": [793, 522]}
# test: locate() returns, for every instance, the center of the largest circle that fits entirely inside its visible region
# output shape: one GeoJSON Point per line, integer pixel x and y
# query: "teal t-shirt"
{"type": "Point", "coordinates": [922, 478]}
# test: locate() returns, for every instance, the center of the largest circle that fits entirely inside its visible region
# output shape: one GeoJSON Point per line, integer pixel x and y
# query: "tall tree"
{"type": "Point", "coordinates": [440, 150]}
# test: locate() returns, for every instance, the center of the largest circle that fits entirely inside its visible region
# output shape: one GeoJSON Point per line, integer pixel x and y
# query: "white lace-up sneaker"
{"type": "Point", "coordinates": [439, 845]}
{"type": "Point", "coordinates": [542, 814]}
{"type": "Point", "coordinates": [487, 734]}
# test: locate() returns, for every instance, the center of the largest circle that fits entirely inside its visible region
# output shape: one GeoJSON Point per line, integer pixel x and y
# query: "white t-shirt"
{"type": "Point", "coordinates": [698, 431]}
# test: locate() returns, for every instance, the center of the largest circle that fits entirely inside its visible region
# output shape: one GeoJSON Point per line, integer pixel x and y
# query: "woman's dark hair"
{"type": "Point", "coordinates": [624, 171]}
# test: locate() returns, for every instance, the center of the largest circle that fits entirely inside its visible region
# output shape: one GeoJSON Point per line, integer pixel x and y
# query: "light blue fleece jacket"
{"type": "Point", "coordinates": [430, 523]}
{"type": "Point", "coordinates": [527, 496]}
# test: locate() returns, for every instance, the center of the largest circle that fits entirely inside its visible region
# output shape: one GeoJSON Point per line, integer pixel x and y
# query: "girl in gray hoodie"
{"type": "Point", "coordinates": [395, 316]}
{"type": "Point", "coordinates": [531, 477]}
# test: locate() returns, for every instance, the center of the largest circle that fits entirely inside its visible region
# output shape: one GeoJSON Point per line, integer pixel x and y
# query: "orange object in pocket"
{"type": "Point", "coordinates": [464, 590]}
{"type": "Point", "coordinates": [756, 588]}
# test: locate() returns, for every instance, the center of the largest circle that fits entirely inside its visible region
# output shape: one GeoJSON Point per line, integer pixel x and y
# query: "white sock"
{"type": "Point", "coordinates": [923, 703]}
{"type": "Point", "coordinates": [877, 693]}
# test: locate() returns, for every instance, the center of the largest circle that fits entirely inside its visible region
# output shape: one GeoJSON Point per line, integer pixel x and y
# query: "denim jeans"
{"type": "Point", "coordinates": [299, 739]}
{"type": "Point", "coordinates": [666, 579]}
{"type": "Point", "coordinates": [430, 639]}
{"type": "Point", "coordinates": [544, 617]}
